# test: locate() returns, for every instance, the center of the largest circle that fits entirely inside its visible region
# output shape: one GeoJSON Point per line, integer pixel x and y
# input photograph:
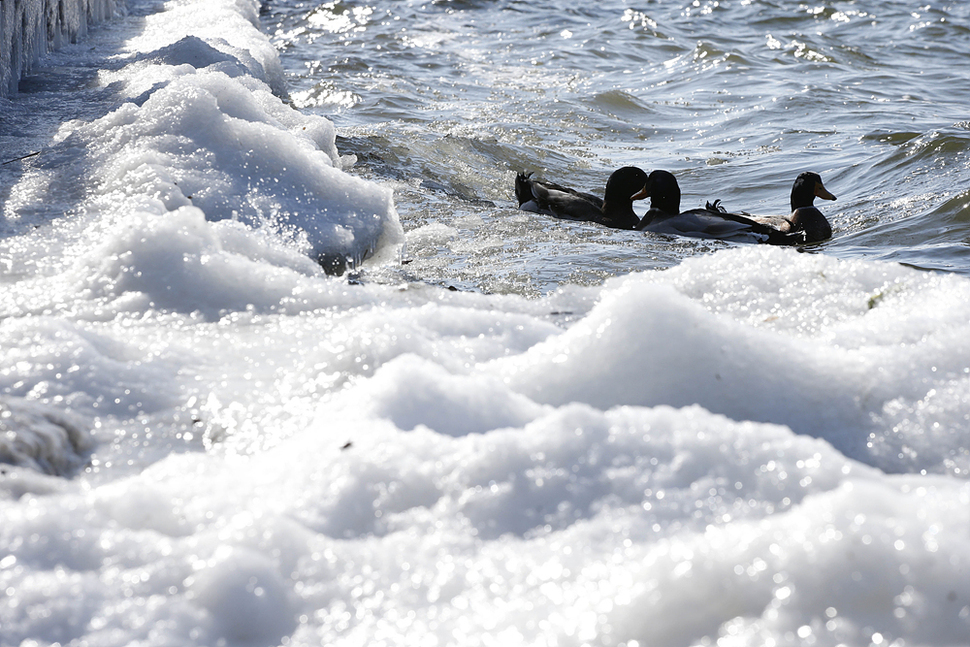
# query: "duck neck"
{"type": "Point", "coordinates": [620, 214]}
{"type": "Point", "coordinates": [667, 203]}
{"type": "Point", "coordinates": [802, 195]}
{"type": "Point", "coordinates": [811, 221]}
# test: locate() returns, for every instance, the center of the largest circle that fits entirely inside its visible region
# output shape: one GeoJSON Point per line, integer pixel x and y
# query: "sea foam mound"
{"type": "Point", "coordinates": [869, 356]}
{"type": "Point", "coordinates": [205, 126]}
{"type": "Point", "coordinates": [576, 527]}
{"type": "Point", "coordinates": [377, 461]}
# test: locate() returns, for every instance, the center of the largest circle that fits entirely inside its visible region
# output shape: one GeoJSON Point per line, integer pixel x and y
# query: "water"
{"type": "Point", "coordinates": [446, 100]}
{"type": "Point", "coordinates": [501, 428]}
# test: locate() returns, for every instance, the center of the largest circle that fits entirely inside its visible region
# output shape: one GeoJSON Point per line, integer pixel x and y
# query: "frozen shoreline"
{"type": "Point", "coordinates": [190, 115]}
{"type": "Point", "coordinates": [31, 28]}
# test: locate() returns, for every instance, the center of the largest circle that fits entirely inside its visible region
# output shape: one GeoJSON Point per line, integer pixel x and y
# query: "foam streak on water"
{"type": "Point", "coordinates": [599, 438]}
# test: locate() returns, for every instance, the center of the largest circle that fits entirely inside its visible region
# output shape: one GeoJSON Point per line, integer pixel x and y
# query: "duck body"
{"type": "Point", "coordinates": [712, 222]}
{"type": "Point", "coordinates": [805, 223]}
{"type": "Point", "coordinates": [614, 210]}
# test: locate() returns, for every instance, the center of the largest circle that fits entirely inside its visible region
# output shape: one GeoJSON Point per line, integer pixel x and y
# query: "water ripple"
{"type": "Point", "coordinates": [735, 97]}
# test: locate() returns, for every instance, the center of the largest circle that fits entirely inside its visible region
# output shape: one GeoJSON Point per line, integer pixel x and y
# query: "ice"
{"type": "Point", "coordinates": [31, 28]}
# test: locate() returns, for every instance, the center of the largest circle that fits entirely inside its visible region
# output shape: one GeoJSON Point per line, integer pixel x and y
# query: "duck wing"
{"type": "Point", "coordinates": [715, 223]}
{"type": "Point", "coordinates": [556, 200]}
{"type": "Point", "coordinates": [801, 227]}
{"type": "Point", "coordinates": [701, 223]}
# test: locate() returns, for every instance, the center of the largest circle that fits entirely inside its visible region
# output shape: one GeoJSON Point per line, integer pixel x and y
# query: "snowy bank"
{"type": "Point", "coordinates": [196, 128]}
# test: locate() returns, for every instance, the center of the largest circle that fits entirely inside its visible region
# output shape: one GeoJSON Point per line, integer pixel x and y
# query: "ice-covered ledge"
{"type": "Point", "coordinates": [31, 28]}
{"type": "Point", "coordinates": [185, 129]}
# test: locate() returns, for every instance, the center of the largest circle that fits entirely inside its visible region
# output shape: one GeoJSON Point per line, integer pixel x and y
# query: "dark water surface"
{"type": "Point", "coordinates": [445, 100]}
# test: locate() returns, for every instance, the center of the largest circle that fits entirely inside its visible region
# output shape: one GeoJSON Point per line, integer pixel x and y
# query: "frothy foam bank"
{"type": "Point", "coordinates": [827, 348]}
{"type": "Point", "coordinates": [371, 461]}
{"type": "Point", "coordinates": [580, 526]}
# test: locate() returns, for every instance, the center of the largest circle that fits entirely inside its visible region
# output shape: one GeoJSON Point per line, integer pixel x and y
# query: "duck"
{"type": "Point", "coordinates": [711, 221]}
{"type": "Point", "coordinates": [805, 222]}
{"type": "Point", "coordinates": [614, 210]}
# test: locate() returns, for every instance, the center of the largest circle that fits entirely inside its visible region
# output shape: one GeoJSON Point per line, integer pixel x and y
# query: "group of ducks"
{"type": "Point", "coordinates": [805, 223]}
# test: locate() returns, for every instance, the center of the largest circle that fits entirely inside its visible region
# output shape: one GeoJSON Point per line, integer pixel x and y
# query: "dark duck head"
{"type": "Point", "coordinates": [664, 192]}
{"type": "Point", "coordinates": [624, 186]}
{"type": "Point", "coordinates": [804, 215]}
{"type": "Point", "coordinates": [807, 187]}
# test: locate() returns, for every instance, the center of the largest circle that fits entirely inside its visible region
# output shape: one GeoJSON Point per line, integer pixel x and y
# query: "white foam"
{"type": "Point", "coordinates": [240, 154]}
{"type": "Point", "coordinates": [204, 125]}
{"type": "Point", "coordinates": [859, 342]}
{"type": "Point", "coordinates": [579, 523]}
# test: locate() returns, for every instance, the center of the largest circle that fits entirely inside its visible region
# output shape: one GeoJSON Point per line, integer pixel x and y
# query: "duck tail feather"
{"type": "Point", "coordinates": [718, 207]}
{"type": "Point", "coordinates": [523, 187]}
{"type": "Point", "coordinates": [786, 239]}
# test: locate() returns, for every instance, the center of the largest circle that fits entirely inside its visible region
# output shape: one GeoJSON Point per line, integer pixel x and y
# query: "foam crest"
{"type": "Point", "coordinates": [645, 343]}
{"type": "Point", "coordinates": [234, 159]}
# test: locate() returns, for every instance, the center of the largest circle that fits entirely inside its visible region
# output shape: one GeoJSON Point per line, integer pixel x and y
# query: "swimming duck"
{"type": "Point", "coordinates": [614, 210]}
{"type": "Point", "coordinates": [665, 217]}
{"type": "Point", "coordinates": [805, 222]}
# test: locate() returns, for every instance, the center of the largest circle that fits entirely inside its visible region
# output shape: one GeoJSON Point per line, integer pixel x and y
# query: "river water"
{"type": "Point", "coordinates": [446, 100]}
